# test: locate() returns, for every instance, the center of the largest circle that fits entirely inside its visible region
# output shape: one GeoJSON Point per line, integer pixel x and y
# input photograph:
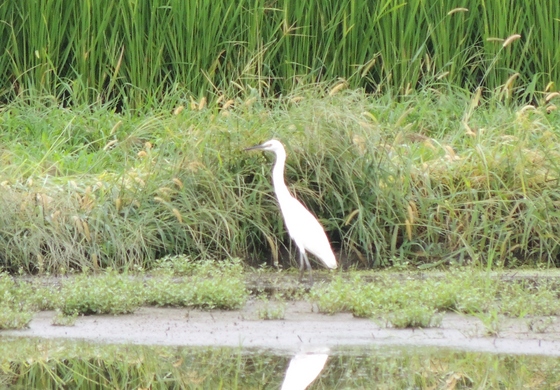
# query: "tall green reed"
{"type": "Point", "coordinates": [134, 54]}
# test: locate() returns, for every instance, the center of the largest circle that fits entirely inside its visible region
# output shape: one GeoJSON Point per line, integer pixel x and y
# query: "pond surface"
{"type": "Point", "coordinates": [39, 363]}
{"type": "Point", "coordinates": [162, 348]}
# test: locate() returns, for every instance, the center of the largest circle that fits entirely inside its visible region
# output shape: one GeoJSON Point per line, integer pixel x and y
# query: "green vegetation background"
{"type": "Point", "coordinates": [417, 132]}
{"type": "Point", "coordinates": [138, 53]}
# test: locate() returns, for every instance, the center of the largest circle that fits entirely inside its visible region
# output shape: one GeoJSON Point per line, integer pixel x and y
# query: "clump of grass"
{"type": "Point", "coordinates": [492, 321]}
{"type": "Point", "coordinates": [16, 306]}
{"type": "Point", "coordinates": [108, 293]}
{"type": "Point", "coordinates": [271, 309]}
{"type": "Point", "coordinates": [216, 293]}
{"type": "Point", "coordinates": [165, 291]}
{"type": "Point", "coordinates": [205, 284]}
{"type": "Point", "coordinates": [210, 285]}
{"type": "Point", "coordinates": [45, 297]}
{"type": "Point", "coordinates": [415, 315]}
{"type": "Point", "coordinates": [407, 304]}
{"type": "Point", "coordinates": [335, 296]}
{"type": "Point", "coordinates": [544, 299]}
{"type": "Point", "coordinates": [61, 319]}
{"type": "Point", "coordinates": [418, 302]}
{"type": "Point", "coordinates": [14, 319]}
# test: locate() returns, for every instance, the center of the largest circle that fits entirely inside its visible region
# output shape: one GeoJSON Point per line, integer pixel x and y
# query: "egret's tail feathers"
{"type": "Point", "coordinates": [329, 260]}
{"type": "Point", "coordinates": [332, 264]}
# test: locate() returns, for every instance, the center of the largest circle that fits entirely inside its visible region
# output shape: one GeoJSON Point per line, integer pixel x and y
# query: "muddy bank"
{"type": "Point", "coordinates": [302, 327]}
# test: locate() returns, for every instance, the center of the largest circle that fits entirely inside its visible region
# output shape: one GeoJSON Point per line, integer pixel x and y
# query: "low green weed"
{"type": "Point", "coordinates": [165, 291]}
{"type": "Point", "coordinates": [206, 284]}
{"type": "Point", "coordinates": [271, 309]}
{"type": "Point", "coordinates": [543, 296]}
{"type": "Point", "coordinates": [492, 321]}
{"type": "Point", "coordinates": [45, 297]}
{"type": "Point", "coordinates": [11, 318]}
{"type": "Point", "coordinates": [217, 293]}
{"type": "Point", "coordinates": [16, 304]}
{"type": "Point", "coordinates": [400, 304]}
{"type": "Point", "coordinates": [414, 315]}
{"type": "Point", "coordinates": [203, 284]}
{"type": "Point", "coordinates": [61, 319]}
{"type": "Point", "coordinates": [335, 296]}
{"type": "Point", "coordinates": [404, 299]}
{"type": "Point", "coordinates": [109, 293]}
{"type": "Point", "coordinates": [418, 301]}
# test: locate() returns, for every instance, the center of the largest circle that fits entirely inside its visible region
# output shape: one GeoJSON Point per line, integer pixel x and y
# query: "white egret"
{"type": "Point", "coordinates": [304, 229]}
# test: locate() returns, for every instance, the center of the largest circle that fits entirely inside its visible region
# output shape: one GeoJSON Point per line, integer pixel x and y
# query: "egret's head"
{"type": "Point", "coordinates": [271, 146]}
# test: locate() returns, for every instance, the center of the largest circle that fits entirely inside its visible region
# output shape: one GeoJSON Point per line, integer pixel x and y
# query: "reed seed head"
{"type": "Point", "coordinates": [178, 110]}
{"type": "Point", "coordinates": [116, 127]}
{"type": "Point", "coordinates": [511, 39]}
{"type": "Point", "coordinates": [338, 87]}
{"type": "Point", "coordinates": [228, 104]}
{"type": "Point", "coordinates": [177, 215]}
{"type": "Point", "coordinates": [178, 182]}
{"type": "Point", "coordinates": [202, 104]}
{"type": "Point", "coordinates": [551, 96]}
{"type": "Point", "coordinates": [110, 145]}
{"type": "Point", "coordinates": [455, 10]}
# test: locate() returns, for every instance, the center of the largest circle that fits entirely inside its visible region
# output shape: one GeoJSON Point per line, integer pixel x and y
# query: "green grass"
{"type": "Point", "coordinates": [271, 309]}
{"type": "Point", "coordinates": [209, 285]}
{"type": "Point", "coordinates": [205, 284]}
{"type": "Point", "coordinates": [16, 309]}
{"type": "Point", "coordinates": [110, 293]}
{"type": "Point", "coordinates": [433, 179]}
{"type": "Point", "coordinates": [401, 300]}
{"type": "Point", "coordinates": [416, 300]}
{"type": "Point", "coordinates": [133, 55]}
{"type": "Point", "coordinates": [62, 319]}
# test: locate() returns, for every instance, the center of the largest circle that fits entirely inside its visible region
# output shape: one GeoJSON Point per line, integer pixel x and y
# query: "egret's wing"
{"type": "Point", "coordinates": [306, 231]}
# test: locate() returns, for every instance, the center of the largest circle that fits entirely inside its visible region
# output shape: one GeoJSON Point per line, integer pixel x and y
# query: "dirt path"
{"type": "Point", "coordinates": [301, 328]}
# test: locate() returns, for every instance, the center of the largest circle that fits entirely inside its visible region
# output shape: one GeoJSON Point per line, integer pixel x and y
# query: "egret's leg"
{"type": "Point", "coordinates": [301, 264]}
{"type": "Point", "coordinates": [308, 267]}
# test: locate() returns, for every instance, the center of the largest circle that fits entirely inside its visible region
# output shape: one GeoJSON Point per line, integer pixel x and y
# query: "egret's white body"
{"type": "Point", "coordinates": [304, 229]}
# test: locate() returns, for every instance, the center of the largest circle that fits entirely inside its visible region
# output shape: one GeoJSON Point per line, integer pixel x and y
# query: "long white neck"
{"type": "Point", "coordinates": [278, 175]}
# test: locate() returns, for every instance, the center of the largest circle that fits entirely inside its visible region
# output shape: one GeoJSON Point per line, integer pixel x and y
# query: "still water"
{"type": "Point", "coordinates": [49, 364]}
